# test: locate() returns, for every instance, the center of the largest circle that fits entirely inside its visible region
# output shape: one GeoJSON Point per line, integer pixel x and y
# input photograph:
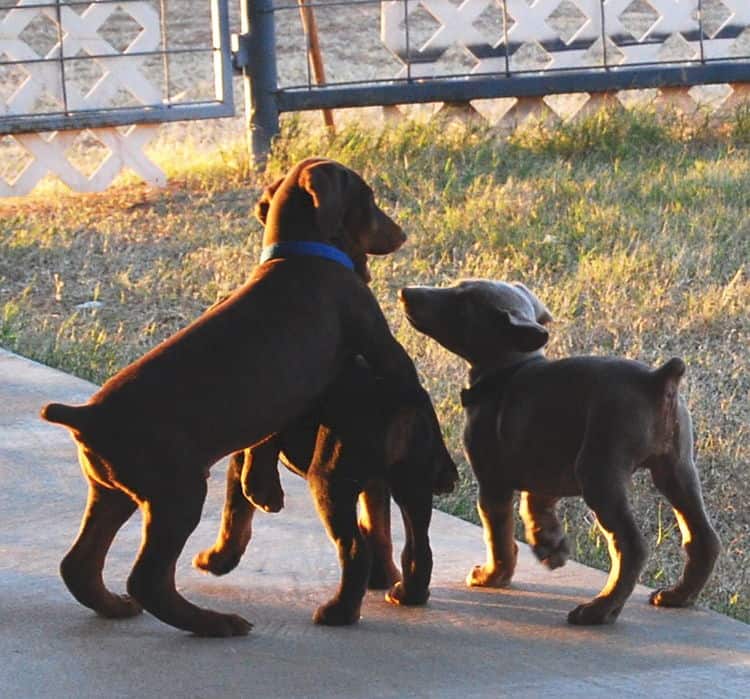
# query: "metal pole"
{"type": "Point", "coordinates": [259, 76]}
{"type": "Point", "coordinates": [314, 54]}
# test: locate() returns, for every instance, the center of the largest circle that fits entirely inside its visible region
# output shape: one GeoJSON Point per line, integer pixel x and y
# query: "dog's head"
{"type": "Point", "coordinates": [416, 453]}
{"type": "Point", "coordinates": [324, 201]}
{"type": "Point", "coordinates": [481, 321]}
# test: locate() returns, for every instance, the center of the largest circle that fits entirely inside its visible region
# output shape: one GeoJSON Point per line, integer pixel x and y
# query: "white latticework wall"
{"type": "Point", "coordinates": [566, 33]}
{"type": "Point", "coordinates": [35, 82]}
{"type": "Point", "coordinates": [59, 56]}
{"type": "Point", "coordinates": [439, 37]}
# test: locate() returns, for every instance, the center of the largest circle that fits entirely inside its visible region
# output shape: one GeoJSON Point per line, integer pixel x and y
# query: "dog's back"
{"type": "Point", "coordinates": [552, 408]}
{"type": "Point", "coordinates": [241, 358]}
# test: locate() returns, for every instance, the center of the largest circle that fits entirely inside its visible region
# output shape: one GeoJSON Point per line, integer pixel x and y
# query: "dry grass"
{"type": "Point", "coordinates": [634, 230]}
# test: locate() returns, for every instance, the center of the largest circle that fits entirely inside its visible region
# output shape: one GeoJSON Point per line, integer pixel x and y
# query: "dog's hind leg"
{"type": "Point", "coordinates": [168, 521]}
{"type": "Point", "coordinates": [543, 529]}
{"type": "Point", "coordinates": [678, 481]}
{"type": "Point", "coordinates": [606, 494]}
{"type": "Point", "coordinates": [236, 525]}
{"type": "Point", "coordinates": [415, 502]}
{"type": "Point", "coordinates": [81, 569]}
{"type": "Point", "coordinates": [374, 519]}
{"type": "Point", "coordinates": [495, 507]}
{"type": "Point", "coordinates": [260, 476]}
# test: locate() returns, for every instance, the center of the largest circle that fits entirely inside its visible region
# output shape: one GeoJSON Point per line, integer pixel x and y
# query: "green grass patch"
{"type": "Point", "coordinates": [633, 228]}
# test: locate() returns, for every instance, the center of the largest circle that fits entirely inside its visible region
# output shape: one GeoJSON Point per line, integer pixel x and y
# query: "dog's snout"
{"type": "Point", "coordinates": [395, 234]}
{"type": "Point", "coordinates": [398, 237]}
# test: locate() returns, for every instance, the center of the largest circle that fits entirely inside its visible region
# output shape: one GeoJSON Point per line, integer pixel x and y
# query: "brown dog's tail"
{"type": "Point", "coordinates": [75, 417]}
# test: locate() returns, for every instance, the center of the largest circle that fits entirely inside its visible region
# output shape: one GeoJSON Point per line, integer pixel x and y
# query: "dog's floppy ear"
{"type": "Point", "coordinates": [528, 335]}
{"type": "Point", "coordinates": [540, 310]}
{"type": "Point", "coordinates": [261, 208]}
{"type": "Point", "coordinates": [326, 183]}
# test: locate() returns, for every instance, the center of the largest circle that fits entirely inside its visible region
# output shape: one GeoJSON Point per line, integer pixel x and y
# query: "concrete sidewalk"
{"type": "Point", "coordinates": [465, 643]}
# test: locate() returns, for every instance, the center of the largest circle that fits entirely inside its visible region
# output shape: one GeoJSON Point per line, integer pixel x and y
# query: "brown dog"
{"type": "Point", "coordinates": [576, 426]}
{"type": "Point", "coordinates": [357, 414]}
{"type": "Point", "coordinates": [244, 370]}
{"type": "Point", "coordinates": [360, 439]}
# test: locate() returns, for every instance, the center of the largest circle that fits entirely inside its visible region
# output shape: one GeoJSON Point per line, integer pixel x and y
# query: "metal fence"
{"type": "Point", "coordinates": [97, 64]}
{"type": "Point", "coordinates": [71, 64]}
{"type": "Point", "coordinates": [84, 84]}
{"type": "Point", "coordinates": [443, 51]}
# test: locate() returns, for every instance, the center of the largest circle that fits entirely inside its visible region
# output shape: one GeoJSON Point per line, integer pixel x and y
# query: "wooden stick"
{"type": "Point", "coordinates": [314, 55]}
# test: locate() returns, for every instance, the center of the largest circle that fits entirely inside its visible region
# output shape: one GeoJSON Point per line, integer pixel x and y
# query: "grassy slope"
{"type": "Point", "coordinates": [635, 231]}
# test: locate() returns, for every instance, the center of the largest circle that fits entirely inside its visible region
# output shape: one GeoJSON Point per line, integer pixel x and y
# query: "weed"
{"type": "Point", "coordinates": [740, 127]}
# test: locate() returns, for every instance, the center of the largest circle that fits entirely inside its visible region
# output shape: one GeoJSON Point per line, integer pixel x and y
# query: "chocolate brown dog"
{"type": "Point", "coordinates": [355, 412]}
{"type": "Point", "coordinates": [241, 372]}
{"type": "Point", "coordinates": [576, 426]}
{"type": "Point", "coordinates": [360, 439]}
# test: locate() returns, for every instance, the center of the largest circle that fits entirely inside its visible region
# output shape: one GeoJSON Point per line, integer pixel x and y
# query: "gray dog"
{"type": "Point", "coordinates": [576, 426]}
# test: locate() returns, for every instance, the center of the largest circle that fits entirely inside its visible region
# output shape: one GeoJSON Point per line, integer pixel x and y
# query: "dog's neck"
{"type": "Point", "coordinates": [305, 248]}
{"type": "Point", "coordinates": [489, 380]}
{"type": "Point", "coordinates": [299, 242]}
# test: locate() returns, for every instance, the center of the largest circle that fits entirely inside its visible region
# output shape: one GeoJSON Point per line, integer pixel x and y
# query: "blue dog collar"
{"type": "Point", "coordinates": [301, 248]}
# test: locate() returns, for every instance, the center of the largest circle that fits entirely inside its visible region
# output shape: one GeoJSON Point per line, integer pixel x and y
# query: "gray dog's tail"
{"type": "Point", "coordinates": [668, 377]}
{"type": "Point", "coordinates": [667, 380]}
{"type": "Point", "coordinates": [75, 417]}
{"type": "Point", "coordinates": [670, 373]}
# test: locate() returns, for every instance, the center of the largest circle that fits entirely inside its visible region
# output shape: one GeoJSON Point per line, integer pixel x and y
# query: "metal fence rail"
{"type": "Point", "coordinates": [440, 51]}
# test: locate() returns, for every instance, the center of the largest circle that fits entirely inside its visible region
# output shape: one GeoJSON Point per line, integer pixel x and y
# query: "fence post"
{"type": "Point", "coordinates": [259, 76]}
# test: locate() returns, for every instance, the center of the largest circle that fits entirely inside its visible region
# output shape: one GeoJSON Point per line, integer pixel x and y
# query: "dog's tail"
{"type": "Point", "coordinates": [670, 372]}
{"type": "Point", "coordinates": [74, 417]}
{"type": "Point", "coordinates": [667, 379]}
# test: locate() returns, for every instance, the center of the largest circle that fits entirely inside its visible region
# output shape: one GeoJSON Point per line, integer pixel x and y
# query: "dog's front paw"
{"type": "Point", "coordinates": [119, 607]}
{"type": "Point", "coordinates": [398, 594]}
{"type": "Point", "coordinates": [597, 612]}
{"type": "Point", "coordinates": [483, 576]}
{"type": "Point", "coordinates": [553, 555]}
{"type": "Point", "coordinates": [671, 597]}
{"type": "Point", "coordinates": [336, 613]}
{"type": "Point", "coordinates": [217, 561]}
{"type": "Point", "coordinates": [269, 497]}
{"type": "Point", "coordinates": [223, 625]}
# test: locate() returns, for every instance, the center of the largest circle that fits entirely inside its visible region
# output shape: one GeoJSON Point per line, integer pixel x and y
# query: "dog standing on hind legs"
{"type": "Point", "coordinates": [574, 426]}
{"type": "Point", "coordinates": [359, 440]}
{"type": "Point", "coordinates": [241, 372]}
